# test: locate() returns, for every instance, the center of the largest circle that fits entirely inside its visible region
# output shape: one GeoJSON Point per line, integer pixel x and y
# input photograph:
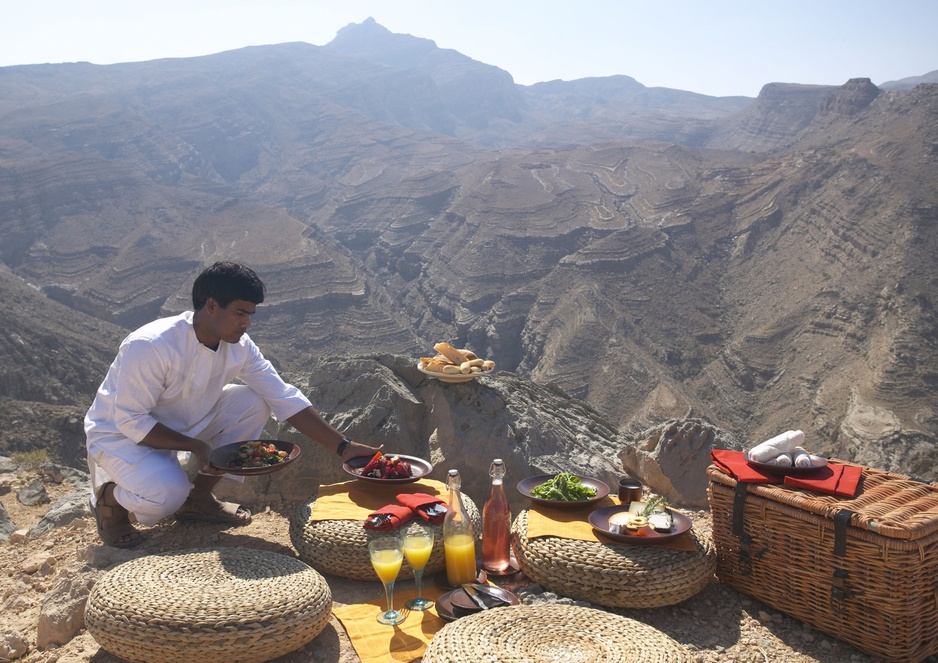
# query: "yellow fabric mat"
{"type": "Point", "coordinates": [354, 500]}
{"type": "Point", "coordinates": [574, 524]}
{"type": "Point", "coordinates": [377, 643]}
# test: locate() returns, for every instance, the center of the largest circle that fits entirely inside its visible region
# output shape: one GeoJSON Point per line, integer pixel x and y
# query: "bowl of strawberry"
{"type": "Point", "coordinates": [388, 468]}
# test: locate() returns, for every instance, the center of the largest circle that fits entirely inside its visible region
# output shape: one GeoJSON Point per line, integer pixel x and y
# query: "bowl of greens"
{"type": "Point", "coordinates": [563, 490]}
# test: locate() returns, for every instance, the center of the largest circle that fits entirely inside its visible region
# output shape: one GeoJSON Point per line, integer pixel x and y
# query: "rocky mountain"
{"type": "Point", "coordinates": [762, 264]}
{"type": "Point", "coordinates": [910, 81]}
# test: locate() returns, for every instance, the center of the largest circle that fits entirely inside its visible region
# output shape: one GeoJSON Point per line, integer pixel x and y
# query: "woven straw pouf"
{"type": "Point", "coordinates": [551, 633]}
{"type": "Point", "coordinates": [615, 575]}
{"type": "Point", "coordinates": [340, 547]}
{"type": "Point", "coordinates": [231, 605]}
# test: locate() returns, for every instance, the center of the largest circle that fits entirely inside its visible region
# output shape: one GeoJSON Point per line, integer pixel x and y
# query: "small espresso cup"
{"type": "Point", "coordinates": [630, 490]}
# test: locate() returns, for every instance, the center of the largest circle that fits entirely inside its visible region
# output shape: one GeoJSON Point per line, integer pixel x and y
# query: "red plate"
{"type": "Point", "coordinates": [418, 466]}
{"type": "Point", "coordinates": [222, 456]}
{"type": "Point", "coordinates": [599, 519]}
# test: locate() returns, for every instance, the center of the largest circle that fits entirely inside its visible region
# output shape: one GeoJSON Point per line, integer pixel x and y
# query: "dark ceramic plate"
{"type": "Point", "coordinates": [525, 486]}
{"type": "Point", "coordinates": [464, 605]}
{"type": "Point", "coordinates": [222, 457]}
{"type": "Point", "coordinates": [444, 607]}
{"type": "Point", "coordinates": [599, 519]}
{"type": "Point", "coordinates": [418, 466]}
{"type": "Point", "coordinates": [783, 471]}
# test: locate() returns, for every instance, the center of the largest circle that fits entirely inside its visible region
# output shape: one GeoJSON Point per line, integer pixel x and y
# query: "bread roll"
{"type": "Point", "coordinates": [432, 364]}
{"type": "Point", "coordinates": [450, 353]}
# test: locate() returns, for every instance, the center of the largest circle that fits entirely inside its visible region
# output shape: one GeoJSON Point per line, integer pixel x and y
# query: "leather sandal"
{"type": "Point", "coordinates": [227, 513]}
{"type": "Point", "coordinates": [122, 535]}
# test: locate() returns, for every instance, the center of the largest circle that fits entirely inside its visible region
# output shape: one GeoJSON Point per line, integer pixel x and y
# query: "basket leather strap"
{"type": "Point", "coordinates": [739, 529]}
{"type": "Point", "coordinates": [841, 522]}
{"type": "Point", "coordinates": [739, 503]}
{"type": "Point", "coordinates": [840, 592]}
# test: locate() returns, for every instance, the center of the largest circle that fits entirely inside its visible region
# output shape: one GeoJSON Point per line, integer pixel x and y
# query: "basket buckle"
{"type": "Point", "coordinates": [839, 591]}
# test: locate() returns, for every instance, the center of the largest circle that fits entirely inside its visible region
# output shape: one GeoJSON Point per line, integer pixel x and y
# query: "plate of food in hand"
{"type": "Point", "coordinates": [640, 522]}
{"type": "Point", "coordinates": [455, 365]}
{"type": "Point", "coordinates": [807, 463]}
{"type": "Point", "coordinates": [386, 467]}
{"type": "Point", "coordinates": [563, 490]}
{"type": "Point", "coordinates": [254, 456]}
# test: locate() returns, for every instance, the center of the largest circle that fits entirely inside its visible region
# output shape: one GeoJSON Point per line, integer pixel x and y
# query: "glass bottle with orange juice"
{"type": "Point", "coordinates": [458, 537]}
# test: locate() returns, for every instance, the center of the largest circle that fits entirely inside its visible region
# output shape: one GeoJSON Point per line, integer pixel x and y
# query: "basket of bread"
{"type": "Point", "coordinates": [454, 365]}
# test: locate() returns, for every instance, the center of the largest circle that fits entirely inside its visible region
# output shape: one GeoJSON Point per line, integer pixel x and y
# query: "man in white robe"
{"type": "Point", "coordinates": [171, 389]}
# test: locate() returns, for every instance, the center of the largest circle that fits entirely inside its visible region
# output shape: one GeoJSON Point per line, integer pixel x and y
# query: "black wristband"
{"type": "Point", "coordinates": [344, 443]}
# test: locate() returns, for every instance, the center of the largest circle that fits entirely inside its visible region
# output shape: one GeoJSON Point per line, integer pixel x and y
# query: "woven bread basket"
{"type": "Point", "coordinates": [614, 575]}
{"type": "Point", "coordinates": [340, 547]}
{"type": "Point", "coordinates": [231, 605]}
{"type": "Point", "coordinates": [551, 633]}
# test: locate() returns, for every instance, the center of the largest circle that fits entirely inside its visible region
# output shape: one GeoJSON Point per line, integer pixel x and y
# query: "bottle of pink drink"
{"type": "Point", "coordinates": [496, 524]}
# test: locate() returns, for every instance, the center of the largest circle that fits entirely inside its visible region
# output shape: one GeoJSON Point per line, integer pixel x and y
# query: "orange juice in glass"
{"type": "Point", "coordinates": [387, 555]}
{"type": "Point", "coordinates": [418, 545]}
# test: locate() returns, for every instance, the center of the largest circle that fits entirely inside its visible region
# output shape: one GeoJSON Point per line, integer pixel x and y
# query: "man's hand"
{"type": "Point", "coordinates": [357, 449]}
{"type": "Point", "coordinates": [202, 453]}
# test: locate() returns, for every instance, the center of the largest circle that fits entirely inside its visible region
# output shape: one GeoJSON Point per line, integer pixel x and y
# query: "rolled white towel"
{"type": "Point", "coordinates": [780, 444]}
{"type": "Point", "coordinates": [801, 457]}
{"type": "Point", "coordinates": [783, 460]}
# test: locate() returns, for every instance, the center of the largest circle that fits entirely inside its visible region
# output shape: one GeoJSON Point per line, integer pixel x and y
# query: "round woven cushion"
{"type": "Point", "coordinates": [615, 575]}
{"type": "Point", "coordinates": [551, 633]}
{"type": "Point", "coordinates": [340, 547]}
{"type": "Point", "coordinates": [211, 606]}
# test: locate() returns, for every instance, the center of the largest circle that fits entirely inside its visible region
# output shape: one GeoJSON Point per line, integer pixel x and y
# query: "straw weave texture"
{"type": "Point", "coordinates": [614, 575]}
{"type": "Point", "coordinates": [231, 605]}
{"type": "Point", "coordinates": [888, 603]}
{"type": "Point", "coordinates": [551, 634]}
{"type": "Point", "coordinates": [340, 547]}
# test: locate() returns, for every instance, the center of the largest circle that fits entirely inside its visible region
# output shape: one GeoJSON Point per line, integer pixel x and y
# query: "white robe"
{"type": "Point", "coordinates": [162, 373]}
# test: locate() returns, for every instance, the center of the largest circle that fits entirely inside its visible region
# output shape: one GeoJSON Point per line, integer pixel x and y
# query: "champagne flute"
{"type": "Point", "coordinates": [418, 545]}
{"type": "Point", "coordinates": [386, 555]}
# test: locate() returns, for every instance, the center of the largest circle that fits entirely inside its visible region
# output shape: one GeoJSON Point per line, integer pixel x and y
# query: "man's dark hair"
{"type": "Point", "coordinates": [225, 282]}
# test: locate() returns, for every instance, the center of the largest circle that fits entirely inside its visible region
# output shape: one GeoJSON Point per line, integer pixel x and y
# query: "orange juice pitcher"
{"type": "Point", "coordinates": [458, 537]}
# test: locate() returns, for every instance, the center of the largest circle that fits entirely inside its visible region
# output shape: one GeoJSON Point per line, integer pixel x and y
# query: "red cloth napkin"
{"type": "Point", "coordinates": [733, 463]}
{"type": "Point", "coordinates": [835, 479]}
{"type": "Point", "coordinates": [397, 516]}
{"type": "Point", "coordinates": [419, 503]}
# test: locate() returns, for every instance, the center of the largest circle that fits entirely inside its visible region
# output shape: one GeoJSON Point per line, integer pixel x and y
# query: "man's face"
{"type": "Point", "coordinates": [229, 323]}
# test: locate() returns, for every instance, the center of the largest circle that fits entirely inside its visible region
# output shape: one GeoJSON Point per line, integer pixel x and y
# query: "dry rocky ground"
{"type": "Point", "coordinates": [718, 624]}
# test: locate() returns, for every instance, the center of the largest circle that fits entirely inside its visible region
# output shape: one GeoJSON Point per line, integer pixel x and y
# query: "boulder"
{"type": "Point", "coordinates": [672, 458]}
{"type": "Point", "coordinates": [62, 614]}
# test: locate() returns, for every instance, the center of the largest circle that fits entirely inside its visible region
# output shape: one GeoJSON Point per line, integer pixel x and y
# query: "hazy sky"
{"type": "Point", "coordinates": [717, 47]}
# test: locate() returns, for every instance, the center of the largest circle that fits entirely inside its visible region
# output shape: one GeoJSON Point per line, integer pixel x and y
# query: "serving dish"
{"type": "Point", "coordinates": [453, 377]}
{"type": "Point", "coordinates": [599, 519]}
{"type": "Point", "coordinates": [418, 466]}
{"type": "Point", "coordinates": [222, 457]}
{"type": "Point", "coordinates": [784, 471]}
{"type": "Point", "coordinates": [526, 486]}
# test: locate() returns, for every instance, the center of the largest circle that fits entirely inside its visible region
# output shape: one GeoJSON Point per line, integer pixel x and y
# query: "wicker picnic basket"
{"type": "Point", "coordinates": [864, 570]}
